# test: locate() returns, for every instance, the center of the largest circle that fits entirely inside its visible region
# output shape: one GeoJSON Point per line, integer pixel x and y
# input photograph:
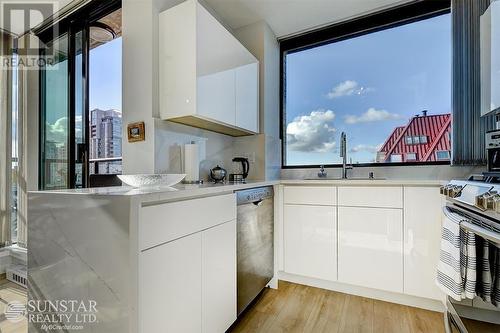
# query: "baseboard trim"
{"type": "Point", "coordinates": [418, 302]}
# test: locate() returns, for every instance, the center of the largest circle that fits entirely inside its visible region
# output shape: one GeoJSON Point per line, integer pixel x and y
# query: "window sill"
{"type": "Point", "coordinates": [16, 248]}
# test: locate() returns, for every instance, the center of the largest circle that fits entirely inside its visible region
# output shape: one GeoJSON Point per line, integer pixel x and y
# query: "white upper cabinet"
{"type": "Point", "coordinates": [208, 79]}
{"type": "Point", "coordinates": [247, 97]}
{"type": "Point", "coordinates": [216, 96]}
{"type": "Point", "coordinates": [490, 59]}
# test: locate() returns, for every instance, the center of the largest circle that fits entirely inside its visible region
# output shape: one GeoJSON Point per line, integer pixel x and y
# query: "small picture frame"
{"type": "Point", "coordinates": [136, 132]}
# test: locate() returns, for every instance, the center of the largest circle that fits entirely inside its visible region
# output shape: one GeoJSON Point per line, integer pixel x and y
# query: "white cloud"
{"type": "Point", "coordinates": [57, 131]}
{"type": "Point", "coordinates": [347, 88]}
{"type": "Point", "coordinates": [312, 133]}
{"type": "Point", "coordinates": [371, 115]}
{"type": "Point", "coordinates": [367, 148]}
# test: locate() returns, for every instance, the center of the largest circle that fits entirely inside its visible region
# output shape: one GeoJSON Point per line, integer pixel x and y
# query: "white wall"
{"type": "Point", "coordinates": [139, 85]}
{"type": "Point", "coordinates": [261, 41]}
{"type": "Point", "coordinates": [215, 149]}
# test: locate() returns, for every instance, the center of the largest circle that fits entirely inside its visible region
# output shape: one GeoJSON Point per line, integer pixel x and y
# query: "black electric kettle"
{"type": "Point", "coordinates": [245, 168]}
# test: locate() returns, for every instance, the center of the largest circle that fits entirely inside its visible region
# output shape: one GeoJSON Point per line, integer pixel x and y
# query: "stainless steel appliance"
{"type": "Point", "coordinates": [255, 243]}
{"type": "Point", "coordinates": [242, 168]}
{"type": "Point", "coordinates": [493, 150]}
{"type": "Point", "coordinates": [478, 202]}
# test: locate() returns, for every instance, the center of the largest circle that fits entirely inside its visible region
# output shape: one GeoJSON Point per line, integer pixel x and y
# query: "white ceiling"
{"type": "Point", "coordinates": [289, 17]}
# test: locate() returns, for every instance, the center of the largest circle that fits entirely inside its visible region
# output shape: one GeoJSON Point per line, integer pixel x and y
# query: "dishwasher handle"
{"type": "Point", "coordinates": [254, 195]}
{"type": "Point", "coordinates": [258, 202]}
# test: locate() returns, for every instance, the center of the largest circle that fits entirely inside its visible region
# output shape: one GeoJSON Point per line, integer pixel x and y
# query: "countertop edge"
{"type": "Point", "coordinates": [189, 191]}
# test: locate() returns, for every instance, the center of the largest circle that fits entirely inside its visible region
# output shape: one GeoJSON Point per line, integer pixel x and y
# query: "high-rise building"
{"type": "Point", "coordinates": [105, 134]}
{"type": "Point", "coordinates": [106, 138]}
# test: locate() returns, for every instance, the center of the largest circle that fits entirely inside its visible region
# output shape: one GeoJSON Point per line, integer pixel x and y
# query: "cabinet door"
{"type": "Point", "coordinates": [170, 287]}
{"type": "Point", "coordinates": [422, 239]}
{"type": "Point", "coordinates": [219, 277]}
{"type": "Point", "coordinates": [216, 97]}
{"type": "Point", "coordinates": [247, 97]}
{"type": "Point", "coordinates": [309, 241]}
{"type": "Point", "coordinates": [371, 247]}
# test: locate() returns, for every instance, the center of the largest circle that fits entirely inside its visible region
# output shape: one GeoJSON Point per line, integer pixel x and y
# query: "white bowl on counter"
{"type": "Point", "coordinates": [148, 180]}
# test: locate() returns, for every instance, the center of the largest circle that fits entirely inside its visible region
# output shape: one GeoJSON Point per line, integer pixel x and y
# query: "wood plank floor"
{"type": "Point", "coordinates": [298, 308]}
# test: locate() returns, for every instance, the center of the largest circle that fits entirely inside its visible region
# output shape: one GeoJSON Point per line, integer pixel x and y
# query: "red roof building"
{"type": "Point", "coordinates": [426, 138]}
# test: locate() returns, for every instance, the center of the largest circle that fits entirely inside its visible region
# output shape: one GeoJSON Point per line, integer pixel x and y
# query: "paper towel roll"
{"type": "Point", "coordinates": [191, 162]}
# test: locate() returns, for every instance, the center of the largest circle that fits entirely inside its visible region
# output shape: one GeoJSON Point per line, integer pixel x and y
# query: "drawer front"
{"type": "Point", "coordinates": [310, 195]}
{"type": "Point", "coordinates": [371, 196]}
{"type": "Point", "coordinates": [162, 223]}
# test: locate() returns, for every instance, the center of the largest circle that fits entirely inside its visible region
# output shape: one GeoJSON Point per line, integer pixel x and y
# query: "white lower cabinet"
{"type": "Point", "coordinates": [379, 237]}
{"type": "Point", "coordinates": [218, 277]}
{"type": "Point", "coordinates": [170, 287]}
{"type": "Point", "coordinates": [371, 247]}
{"type": "Point", "coordinates": [189, 284]}
{"type": "Point", "coordinates": [422, 236]}
{"type": "Point", "coordinates": [310, 241]}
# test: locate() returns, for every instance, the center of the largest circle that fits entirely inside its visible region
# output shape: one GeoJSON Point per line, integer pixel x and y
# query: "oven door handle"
{"type": "Point", "coordinates": [490, 235]}
{"type": "Point", "coordinates": [447, 213]}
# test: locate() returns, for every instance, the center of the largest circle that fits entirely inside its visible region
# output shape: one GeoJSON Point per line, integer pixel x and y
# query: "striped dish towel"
{"type": "Point", "coordinates": [488, 267]}
{"type": "Point", "coordinates": [456, 271]}
{"type": "Point", "coordinates": [495, 287]}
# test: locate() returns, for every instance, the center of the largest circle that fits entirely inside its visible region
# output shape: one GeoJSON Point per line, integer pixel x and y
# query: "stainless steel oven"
{"type": "Point", "coordinates": [493, 150]}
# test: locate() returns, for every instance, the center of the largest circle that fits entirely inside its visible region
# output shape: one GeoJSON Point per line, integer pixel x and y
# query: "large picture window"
{"type": "Point", "coordinates": [385, 80]}
{"type": "Point", "coordinates": [81, 118]}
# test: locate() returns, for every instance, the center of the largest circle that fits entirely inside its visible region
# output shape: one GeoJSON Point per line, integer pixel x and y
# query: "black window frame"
{"type": "Point", "coordinates": [80, 20]}
{"type": "Point", "coordinates": [363, 25]}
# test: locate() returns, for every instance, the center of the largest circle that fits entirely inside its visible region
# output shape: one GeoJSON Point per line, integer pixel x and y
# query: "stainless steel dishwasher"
{"type": "Point", "coordinates": [255, 225]}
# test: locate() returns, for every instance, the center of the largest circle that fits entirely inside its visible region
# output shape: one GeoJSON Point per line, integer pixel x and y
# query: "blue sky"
{"type": "Point", "coordinates": [105, 87]}
{"type": "Point", "coordinates": [106, 76]}
{"type": "Point", "coordinates": [365, 86]}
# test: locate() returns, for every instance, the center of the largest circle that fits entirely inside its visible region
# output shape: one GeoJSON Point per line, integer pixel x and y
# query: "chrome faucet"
{"type": "Point", "coordinates": [322, 172]}
{"type": "Point", "coordinates": [343, 154]}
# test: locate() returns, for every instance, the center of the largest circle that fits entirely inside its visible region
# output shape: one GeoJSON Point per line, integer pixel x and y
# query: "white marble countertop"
{"type": "Point", "coordinates": [182, 191]}
{"type": "Point", "coordinates": [179, 191]}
